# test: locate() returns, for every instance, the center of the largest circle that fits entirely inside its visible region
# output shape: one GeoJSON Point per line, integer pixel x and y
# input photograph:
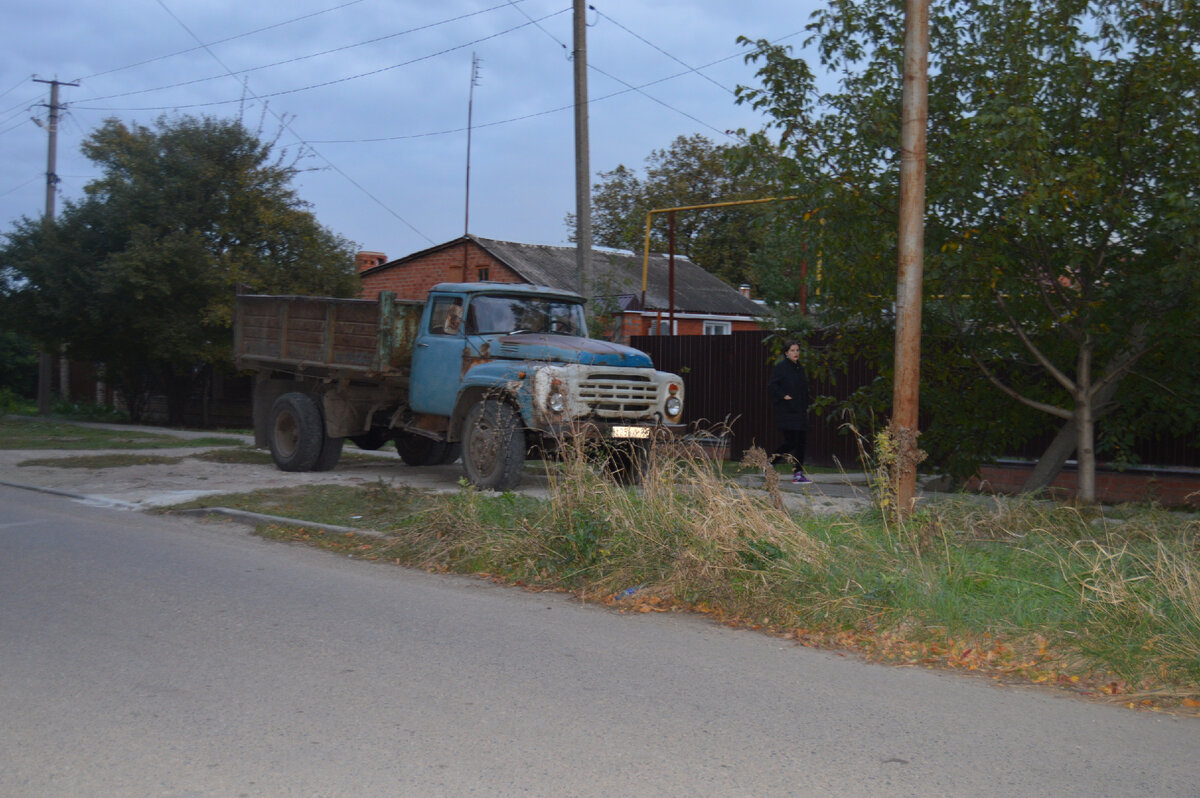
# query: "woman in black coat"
{"type": "Point", "coordinates": [788, 389]}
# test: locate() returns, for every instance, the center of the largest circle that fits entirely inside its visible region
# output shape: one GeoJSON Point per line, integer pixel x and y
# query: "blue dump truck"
{"type": "Point", "coordinates": [487, 371]}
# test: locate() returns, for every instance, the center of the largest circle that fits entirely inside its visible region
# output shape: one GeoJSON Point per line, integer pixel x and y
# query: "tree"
{"type": "Point", "coordinates": [692, 171]}
{"type": "Point", "coordinates": [1062, 225]}
{"type": "Point", "coordinates": [140, 274]}
{"type": "Point", "coordinates": [18, 357]}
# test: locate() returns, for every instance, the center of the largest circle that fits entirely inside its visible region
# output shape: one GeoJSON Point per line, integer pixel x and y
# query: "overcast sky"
{"type": "Point", "coordinates": [377, 91]}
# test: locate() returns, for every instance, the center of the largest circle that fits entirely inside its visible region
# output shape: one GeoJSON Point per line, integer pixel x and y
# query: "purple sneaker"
{"type": "Point", "coordinates": [800, 479]}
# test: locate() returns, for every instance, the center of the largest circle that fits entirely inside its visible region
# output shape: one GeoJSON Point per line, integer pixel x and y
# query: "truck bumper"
{"type": "Point", "coordinates": [618, 429]}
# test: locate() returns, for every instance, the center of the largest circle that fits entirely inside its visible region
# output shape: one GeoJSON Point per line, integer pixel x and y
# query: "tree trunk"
{"type": "Point", "coordinates": [1085, 423]}
{"type": "Point", "coordinates": [1086, 447]}
{"type": "Point", "coordinates": [1063, 446]}
{"type": "Point", "coordinates": [1053, 459]}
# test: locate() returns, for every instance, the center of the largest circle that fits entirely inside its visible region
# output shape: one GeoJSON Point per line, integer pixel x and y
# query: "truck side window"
{"type": "Point", "coordinates": [446, 317]}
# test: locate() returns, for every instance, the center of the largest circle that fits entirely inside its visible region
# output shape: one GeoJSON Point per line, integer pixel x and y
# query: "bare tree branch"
{"type": "Point", "coordinates": [1037, 353]}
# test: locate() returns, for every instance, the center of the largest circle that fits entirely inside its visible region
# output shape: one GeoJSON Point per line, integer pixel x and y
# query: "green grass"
{"type": "Point", "coordinates": [101, 461]}
{"type": "Point", "coordinates": [26, 433]}
{"type": "Point", "coordinates": [375, 507]}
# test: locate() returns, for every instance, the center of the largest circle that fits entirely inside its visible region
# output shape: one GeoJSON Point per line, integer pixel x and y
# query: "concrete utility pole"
{"type": "Point", "coordinates": [467, 192]}
{"type": "Point", "coordinates": [583, 188]}
{"type": "Point", "coordinates": [913, 121]}
{"type": "Point", "coordinates": [45, 361]}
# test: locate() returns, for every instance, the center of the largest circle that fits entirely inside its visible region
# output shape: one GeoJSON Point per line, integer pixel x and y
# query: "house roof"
{"type": "Point", "coordinates": [617, 274]}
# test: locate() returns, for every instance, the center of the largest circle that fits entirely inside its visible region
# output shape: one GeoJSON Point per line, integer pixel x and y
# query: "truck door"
{"type": "Point", "coordinates": [438, 356]}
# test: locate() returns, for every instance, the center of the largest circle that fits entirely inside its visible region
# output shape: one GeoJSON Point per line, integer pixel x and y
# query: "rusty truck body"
{"type": "Point", "coordinates": [487, 371]}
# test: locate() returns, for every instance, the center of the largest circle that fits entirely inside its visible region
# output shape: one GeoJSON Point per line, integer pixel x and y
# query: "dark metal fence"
{"type": "Point", "coordinates": [726, 384]}
{"type": "Point", "coordinates": [725, 378]}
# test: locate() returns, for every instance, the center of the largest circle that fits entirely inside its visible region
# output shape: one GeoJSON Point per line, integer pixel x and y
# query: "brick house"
{"type": "Point", "coordinates": [703, 304]}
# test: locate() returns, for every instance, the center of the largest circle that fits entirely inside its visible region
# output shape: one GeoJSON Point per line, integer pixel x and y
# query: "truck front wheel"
{"type": "Point", "coordinates": [493, 446]}
{"type": "Point", "coordinates": [297, 433]}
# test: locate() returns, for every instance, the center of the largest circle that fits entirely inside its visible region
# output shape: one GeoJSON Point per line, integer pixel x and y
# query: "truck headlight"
{"type": "Point", "coordinates": [556, 402]}
{"type": "Point", "coordinates": [673, 406]}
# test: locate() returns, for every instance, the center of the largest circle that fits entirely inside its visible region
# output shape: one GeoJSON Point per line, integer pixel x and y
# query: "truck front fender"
{"type": "Point", "coordinates": [491, 380]}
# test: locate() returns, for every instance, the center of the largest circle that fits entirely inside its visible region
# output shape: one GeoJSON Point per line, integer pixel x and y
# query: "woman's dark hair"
{"type": "Point", "coordinates": [789, 344]}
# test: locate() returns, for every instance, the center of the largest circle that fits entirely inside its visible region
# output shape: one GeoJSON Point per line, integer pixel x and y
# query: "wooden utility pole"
{"type": "Point", "coordinates": [45, 361]}
{"type": "Point", "coordinates": [913, 121]}
{"type": "Point", "coordinates": [583, 188]}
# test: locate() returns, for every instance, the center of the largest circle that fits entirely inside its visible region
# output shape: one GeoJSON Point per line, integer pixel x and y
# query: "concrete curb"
{"type": "Point", "coordinates": [253, 519]}
{"type": "Point", "coordinates": [241, 516]}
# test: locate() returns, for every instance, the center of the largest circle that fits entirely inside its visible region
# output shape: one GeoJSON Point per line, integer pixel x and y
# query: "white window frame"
{"type": "Point", "coordinates": [717, 327]}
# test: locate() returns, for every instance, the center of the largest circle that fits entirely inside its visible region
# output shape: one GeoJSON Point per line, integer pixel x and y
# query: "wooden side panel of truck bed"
{"type": "Point", "coordinates": [326, 336]}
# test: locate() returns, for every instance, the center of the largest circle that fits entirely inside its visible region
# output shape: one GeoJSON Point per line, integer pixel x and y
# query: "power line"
{"type": "Point", "coordinates": [282, 121]}
{"type": "Point", "coordinates": [33, 179]}
{"type": "Point", "coordinates": [297, 59]}
{"type": "Point", "coordinates": [18, 84]}
{"type": "Point", "coordinates": [664, 52]}
{"type": "Point", "coordinates": [324, 83]}
{"type": "Point", "coordinates": [222, 41]}
{"type": "Point", "coordinates": [535, 114]}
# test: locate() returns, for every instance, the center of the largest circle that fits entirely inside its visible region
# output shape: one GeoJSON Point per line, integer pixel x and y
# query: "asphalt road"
{"type": "Point", "coordinates": [151, 656]}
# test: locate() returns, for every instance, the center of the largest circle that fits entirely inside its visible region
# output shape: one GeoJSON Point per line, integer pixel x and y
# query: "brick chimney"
{"type": "Point", "coordinates": [744, 289]}
{"type": "Point", "coordinates": [369, 260]}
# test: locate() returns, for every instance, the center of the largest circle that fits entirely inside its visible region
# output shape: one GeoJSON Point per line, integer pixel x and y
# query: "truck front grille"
{"type": "Point", "coordinates": [616, 395]}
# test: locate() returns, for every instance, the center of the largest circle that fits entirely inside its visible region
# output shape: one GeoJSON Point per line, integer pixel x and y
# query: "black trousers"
{"type": "Point", "coordinates": [793, 444]}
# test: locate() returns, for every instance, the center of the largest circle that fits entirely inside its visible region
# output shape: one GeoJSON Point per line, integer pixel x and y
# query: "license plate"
{"type": "Point", "coordinates": [631, 432]}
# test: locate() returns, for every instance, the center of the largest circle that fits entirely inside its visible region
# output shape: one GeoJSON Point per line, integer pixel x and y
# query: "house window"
{"type": "Point", "coordinates": [717, 328]}
{"type": "Point", "coordinates": [481, 273]}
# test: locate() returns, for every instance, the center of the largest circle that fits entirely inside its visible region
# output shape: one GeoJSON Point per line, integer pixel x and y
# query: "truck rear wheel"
{"type": "Point", "coordinates": [493, 446]}
{"type": "Point", "coordinates": [417, 450]}
{"type": "Point", "coordinates": [331, 452]}
{"type": "Point", "coordinates": [297, 432]}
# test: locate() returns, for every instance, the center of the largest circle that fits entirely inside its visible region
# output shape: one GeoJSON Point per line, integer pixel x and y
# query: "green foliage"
{"type": "Point", "coordinates": [18, 364]}
{"type": "Point", "coordinates": [12, 403]}
{"type": "Point", "coordinates": [692, 171]}
{"type": "Point", "coordinates": [140, 273]}
{"type": "Point", "coordinates": [18, 355]}
{"type": "Point", "coordinates": [1062, 212]}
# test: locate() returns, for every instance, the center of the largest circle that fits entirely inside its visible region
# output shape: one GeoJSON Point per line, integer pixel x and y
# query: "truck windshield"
{"type": "Point", "coordinates": [513, 314]}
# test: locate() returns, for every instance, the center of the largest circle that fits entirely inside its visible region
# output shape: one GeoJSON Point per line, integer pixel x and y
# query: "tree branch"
{"type": "Point", "coordinates": [1036, 405]}
{"type": "Point", "coordinates": [1041, 358]}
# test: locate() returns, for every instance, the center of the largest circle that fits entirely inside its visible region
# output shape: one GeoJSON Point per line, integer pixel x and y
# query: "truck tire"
{"type": "Point", "coordinates": [417, 450]}
{"type": "Point", "coordinates": [493, 446]}
{"type": "Point", "coordinates": [331, 452]}
{"type": "Point", "coordinates": [372, 440]}
{"type": "Point", "coordinates": [296, 432]}
{"type": "Point", "coordinates": [452, 453]}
